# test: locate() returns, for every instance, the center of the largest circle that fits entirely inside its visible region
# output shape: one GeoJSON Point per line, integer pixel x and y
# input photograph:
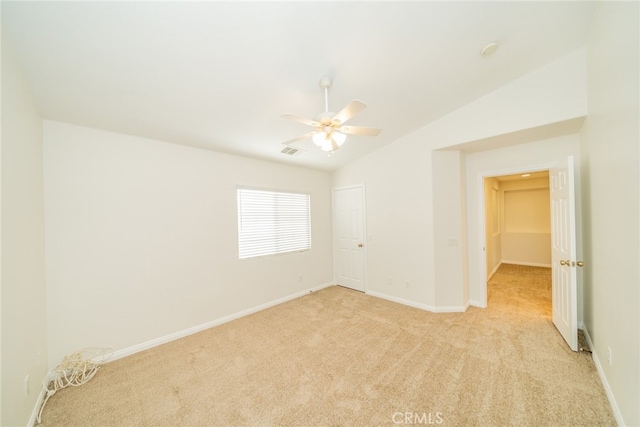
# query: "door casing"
{"type": "Point", "coordinates": [481, 223]}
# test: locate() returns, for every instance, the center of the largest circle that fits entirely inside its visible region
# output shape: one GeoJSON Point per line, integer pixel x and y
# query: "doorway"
{"type": "Point", "coordinates": [518, 239]}
{"type": "Point", "coordinates": [557, 236]}
{"type": "Point", "coordinates": [517, 220]}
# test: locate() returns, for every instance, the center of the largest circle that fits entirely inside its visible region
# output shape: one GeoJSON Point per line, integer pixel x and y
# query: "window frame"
{"type": "Point", "coordinates": [278, 242]}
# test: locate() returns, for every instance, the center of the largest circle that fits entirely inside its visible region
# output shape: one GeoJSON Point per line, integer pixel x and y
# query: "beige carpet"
{"type": "Point", "coordinates": [341, 358]}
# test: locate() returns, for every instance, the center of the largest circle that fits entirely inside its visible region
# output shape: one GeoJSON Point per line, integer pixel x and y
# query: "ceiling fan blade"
{"type": "Point", "coordinates": [299, 138]}
{"type": "Point", "coordinates": [359, 130]}
{"type": "Point", "coordinates": [353, 108]}
{"type": "Point", "coordinates": [300, 119]}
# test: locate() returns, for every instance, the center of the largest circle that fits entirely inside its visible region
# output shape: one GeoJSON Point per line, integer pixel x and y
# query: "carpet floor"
{"type": "Point", "coordinates": [338, 357]}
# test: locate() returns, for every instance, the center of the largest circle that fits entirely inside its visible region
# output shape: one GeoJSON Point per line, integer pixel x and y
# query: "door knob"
{"type": "Point", "coordinates": [564, 262]}
{"type": "Point", "coordinates": [360, 245]}
{"type": "Point", "coordinates": [580, 264]}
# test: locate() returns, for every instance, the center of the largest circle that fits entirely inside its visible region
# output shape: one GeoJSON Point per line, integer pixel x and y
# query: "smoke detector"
{"type": "Point", "coordinates": [489, 48]}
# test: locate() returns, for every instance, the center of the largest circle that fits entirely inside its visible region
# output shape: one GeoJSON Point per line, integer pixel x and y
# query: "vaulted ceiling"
{"type": "Point", "coordinates": [218, 75]}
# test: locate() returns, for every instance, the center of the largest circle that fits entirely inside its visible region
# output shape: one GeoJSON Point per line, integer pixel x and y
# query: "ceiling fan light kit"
{"type": "Point", "coordinates": [329, 134]}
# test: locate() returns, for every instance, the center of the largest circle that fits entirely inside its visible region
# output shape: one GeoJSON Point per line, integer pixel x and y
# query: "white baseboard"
{"type": "Point", "coordinates": [450, 308]}
{"type": "Point", "coordinates": [319, 287]}
{"type": "Point", "coordinates": [607, 389]}
{"type": "Point", "coordinates": [426, 307]}
{"type": "Point", "coordinates": [171, 337]}
{"type": "Point", "coordinates": [528, 264]}
{"type": "Point", "coordinates": [494, 271]}
{"type": "Point", "coordinates": [34, 414]}
{"type": "Point", "coordinates": [478, 304]}
{"type": "Point", "coordinates": [198, 328]}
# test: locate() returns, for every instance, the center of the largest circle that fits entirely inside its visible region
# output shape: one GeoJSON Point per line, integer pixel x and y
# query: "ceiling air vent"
{"type": "Point", "coordinates": [290, 151]}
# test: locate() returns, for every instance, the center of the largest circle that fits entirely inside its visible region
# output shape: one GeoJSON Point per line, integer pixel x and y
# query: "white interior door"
{"type": "Point", "coordinates": [563, 251]}
{"type": "Point", "coordinates": [348, 241]}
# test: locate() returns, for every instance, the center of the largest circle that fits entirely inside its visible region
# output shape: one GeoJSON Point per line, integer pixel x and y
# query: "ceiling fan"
{"type": "Point", "coordinates": [329, 130]}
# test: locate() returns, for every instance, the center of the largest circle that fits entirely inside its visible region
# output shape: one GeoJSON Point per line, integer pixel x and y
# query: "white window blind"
{"type": "Point", "coordinates": [271, 222]}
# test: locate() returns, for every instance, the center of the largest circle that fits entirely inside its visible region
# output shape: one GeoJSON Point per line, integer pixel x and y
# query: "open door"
{"type": "Point", "coordinates": [563, 251]}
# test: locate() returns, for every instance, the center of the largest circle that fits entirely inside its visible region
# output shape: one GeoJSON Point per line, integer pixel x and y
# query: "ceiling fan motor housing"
{"type": "Point", "coordinates": [326, 82]}
{"type": "Point", "coordinates": [324, 119]}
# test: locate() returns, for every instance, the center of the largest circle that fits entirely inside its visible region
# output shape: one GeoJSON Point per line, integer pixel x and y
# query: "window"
{"type": "Point", "coordinates": [271, 222]}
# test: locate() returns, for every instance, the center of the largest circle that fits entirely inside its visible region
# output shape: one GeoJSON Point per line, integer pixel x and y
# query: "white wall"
{"type": "Point", "coordinates": [610, 147]}
{"type": "Point", "coordinates": [403, 188]}
{"type": "Point", "coordinates": [399, 215]}
{"type": "Point", "coordinates": [517, 227]}
{"type": "Point", "coordinates": [141, 238]}
{"type": "Point", "coordinates": [24, 345]}
{"type": "Point", "coordinates": [448, 233]}
{"type": "Point", "coordinates": [526, 228]}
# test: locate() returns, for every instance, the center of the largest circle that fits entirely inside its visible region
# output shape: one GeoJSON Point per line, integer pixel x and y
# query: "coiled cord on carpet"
{"type": "Point", "coordinates": [74, 370]}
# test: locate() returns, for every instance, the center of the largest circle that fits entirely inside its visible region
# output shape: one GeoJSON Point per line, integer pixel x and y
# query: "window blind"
{"type": "Point", "coordinates": [271, 222]}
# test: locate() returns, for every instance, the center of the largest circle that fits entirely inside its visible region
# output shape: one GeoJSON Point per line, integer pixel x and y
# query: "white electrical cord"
{"type": "Point", "coordinates": [74, 370]}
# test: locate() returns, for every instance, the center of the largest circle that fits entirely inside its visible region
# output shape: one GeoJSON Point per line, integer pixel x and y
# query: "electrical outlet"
{"type": "Point", "coordinates": [406, 284]}
{"type": "Point", "coordinates": [26, 386]}
{"type": "Point", "coordinates": [390, 281]}
{"type": "Point", "coordinates": [299, 277]}
{"type": "Point", "coordinates": [609, 356]}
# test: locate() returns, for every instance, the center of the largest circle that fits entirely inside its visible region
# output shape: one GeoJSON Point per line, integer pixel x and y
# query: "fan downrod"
{"type": "Point", "coordinates": [325, 84]}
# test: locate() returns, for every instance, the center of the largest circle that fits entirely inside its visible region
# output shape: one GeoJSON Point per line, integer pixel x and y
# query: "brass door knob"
{"type": "Point", "coordinates": [564, 262]}
{"type": "Point", "coordinates": [360, 245]}
{"type": "Point", "coordinates": [580, 264]}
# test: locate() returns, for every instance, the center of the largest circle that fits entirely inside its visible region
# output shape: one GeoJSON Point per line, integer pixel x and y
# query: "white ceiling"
{"type": "Point", "coordinates": [218, 75]}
